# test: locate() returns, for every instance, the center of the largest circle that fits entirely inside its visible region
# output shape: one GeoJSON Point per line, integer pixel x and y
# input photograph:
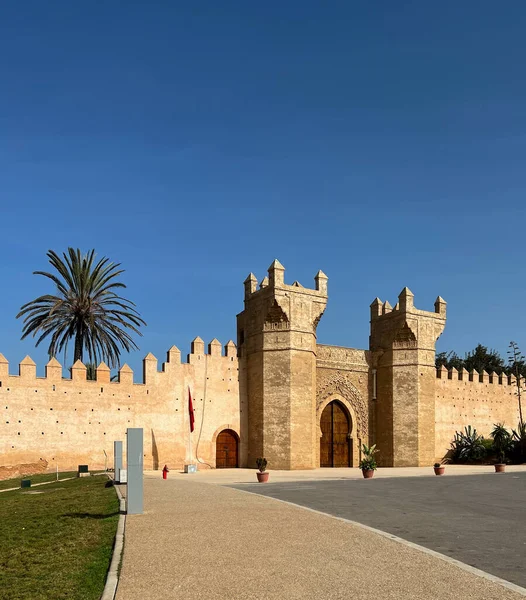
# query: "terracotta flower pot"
{"type": "Point", "coordinates": [262, 477]}
{"type": "Point", "coordinates": [367, 473]}
{"type": "Point", "coordinates": [500, 468]}
{"type": "Point", "coordinates": [439, 470]}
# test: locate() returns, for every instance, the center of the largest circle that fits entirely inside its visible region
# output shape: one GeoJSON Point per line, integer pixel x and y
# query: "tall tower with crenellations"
{"type": "Point", "coordinates": [277, 350]}
{"type": "Point", "coordinates": [402, 343]}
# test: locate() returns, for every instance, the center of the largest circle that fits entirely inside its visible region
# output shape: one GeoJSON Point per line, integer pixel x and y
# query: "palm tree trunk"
{"type": "Point", "coordinates": [78, 345]}
{"type": "Point", "coordinates": [519, 390]}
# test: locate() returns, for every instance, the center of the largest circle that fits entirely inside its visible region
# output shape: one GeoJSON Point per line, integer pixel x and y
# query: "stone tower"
{"type": "Point", "coordinates": [277, 347]}
{"type": "Point", "coordinates": [402, 343]}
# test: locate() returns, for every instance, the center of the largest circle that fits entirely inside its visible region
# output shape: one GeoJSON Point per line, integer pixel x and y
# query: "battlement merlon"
{"type": "Point", "coordinates": [404, 325]}
{"type": "Point", "coordinates": [276, 281]}
{"type": "Point", "coordinates": [4, 367]}
{"type": "Point", "coordinates": [251, 285]}
{"type": "Point", "coordinates": [475, 377]}
{"type": "Point", "coordinates": [406, 304]}
{"type": "Point", "coordinates": [27, 368]}
{"type": "Point", "coordinates": [276, 274]}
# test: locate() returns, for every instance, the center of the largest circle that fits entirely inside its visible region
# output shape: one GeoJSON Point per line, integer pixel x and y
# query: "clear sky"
{"type": "Point", "coordinates": [382, 142]}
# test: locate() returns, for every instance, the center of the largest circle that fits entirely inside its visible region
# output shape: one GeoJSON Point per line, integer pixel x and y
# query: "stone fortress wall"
{"type": "Point", "coordinates": [271, 390]}
{"type": "Point", "coordinates": [476, 399]}
{"type": "Point", "coordinates": [51, 420]}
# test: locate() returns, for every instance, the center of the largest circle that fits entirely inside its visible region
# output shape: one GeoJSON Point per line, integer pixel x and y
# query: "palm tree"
{"type": "Point", "coordinates": [86, 308]}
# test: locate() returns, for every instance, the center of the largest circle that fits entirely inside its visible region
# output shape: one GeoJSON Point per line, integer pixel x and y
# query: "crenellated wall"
{"type": "Point", "coordinates": [476, 399]}
{"type": "Point", "coordinates": [73, 421]}
{"type": "Point", "coordinates": [273, 396]}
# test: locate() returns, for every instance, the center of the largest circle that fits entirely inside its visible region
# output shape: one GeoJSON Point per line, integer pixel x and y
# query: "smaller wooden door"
{"type": "Point", "coordinates": [226, 450]}
{"type": "Point", "coordinates": [335, 445]}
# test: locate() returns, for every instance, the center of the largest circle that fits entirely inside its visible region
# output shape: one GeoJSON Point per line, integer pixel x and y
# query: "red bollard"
{"type": "Point", "coordinates": [165, 472]}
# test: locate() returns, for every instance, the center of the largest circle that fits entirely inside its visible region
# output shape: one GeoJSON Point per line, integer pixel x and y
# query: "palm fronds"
{"type": "Point", "coordinates": [85, 308]}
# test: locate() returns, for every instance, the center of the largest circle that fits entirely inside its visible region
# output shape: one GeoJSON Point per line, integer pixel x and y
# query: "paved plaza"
{"type": "Point", "coordinates": [477, 519]}
{"type": "Point", "coordinates": [201, 538]}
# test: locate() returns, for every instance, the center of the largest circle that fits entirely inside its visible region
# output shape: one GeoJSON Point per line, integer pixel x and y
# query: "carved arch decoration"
{"type": "Point", "coordinates": [276, 317]}
{"type": "Point", "coordinates": [338, 387]}
{"type": "Point", "coordinates": [405, 338]}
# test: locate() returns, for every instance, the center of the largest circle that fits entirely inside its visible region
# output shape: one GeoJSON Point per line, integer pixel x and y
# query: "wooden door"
{"type": "Point", "coordinates": [335, 447]}
{"type": "Point", "coordinates": [326, 437]}
{"type": "Point", "coordinates": [340, 436]}
{"type": "Point", "coordinates": [226, 450]}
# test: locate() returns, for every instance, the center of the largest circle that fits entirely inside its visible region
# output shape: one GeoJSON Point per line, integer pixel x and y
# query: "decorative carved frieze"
{"type": "Point", "coordinates": [339, 383]}
{"type": "Point", "coordinates": [335, 357]}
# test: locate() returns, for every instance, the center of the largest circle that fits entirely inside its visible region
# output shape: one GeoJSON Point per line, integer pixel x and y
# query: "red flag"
{"type": "Point", "coordinates": [190, 410]}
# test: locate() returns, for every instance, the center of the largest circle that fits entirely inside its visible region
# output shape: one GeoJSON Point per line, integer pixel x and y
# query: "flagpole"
{"type": "Point", "coordinates": [189, 429]}
{"type": "Point", "coordinates": [190, 445]}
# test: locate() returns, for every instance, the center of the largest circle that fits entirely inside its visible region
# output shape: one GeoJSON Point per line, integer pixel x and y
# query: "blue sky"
{"type": "Point", "coordinates": [195, 142]}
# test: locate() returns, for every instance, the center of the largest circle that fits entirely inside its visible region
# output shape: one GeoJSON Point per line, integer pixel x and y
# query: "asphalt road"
{"type": "Point", "coordinates": [477, 519]}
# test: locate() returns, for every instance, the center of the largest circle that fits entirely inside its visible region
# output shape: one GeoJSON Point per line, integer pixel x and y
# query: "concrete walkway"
{"type": "Point", "coordinates": [201, 541]}
{"type": "Point", "coordinates": [241, 476]}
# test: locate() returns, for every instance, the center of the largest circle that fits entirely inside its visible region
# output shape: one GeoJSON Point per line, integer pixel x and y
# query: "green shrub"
{"type": "Point", "coordinates": [488, 446]}
{"type": "Point", "coordinates": [467, 446]}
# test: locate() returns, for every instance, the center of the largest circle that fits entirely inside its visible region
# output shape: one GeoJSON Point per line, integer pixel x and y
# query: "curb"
{"type": "Point", "coordinates": [112, 579]}
{"type": "Point", "coordinates": [465, 567]}
{"type": "Point", "coordinates": [48, 482]}
{"type": "Point", "coordinates": [37, 484]}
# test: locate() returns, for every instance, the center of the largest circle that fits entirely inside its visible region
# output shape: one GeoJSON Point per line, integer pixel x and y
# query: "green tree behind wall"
{"type": "Point", "coordinates": [480, 359]}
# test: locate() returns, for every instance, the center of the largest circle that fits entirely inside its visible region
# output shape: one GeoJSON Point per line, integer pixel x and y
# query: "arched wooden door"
{"type": "Point", "coordinates": [227, 450]}
{"type": "Point", "coordinates": [335, 443]}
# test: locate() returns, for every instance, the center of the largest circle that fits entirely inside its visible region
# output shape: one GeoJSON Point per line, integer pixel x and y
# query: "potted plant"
{"type": "Point", "coordinates": [439, 468]}
{"type": "Point", "coordinates": [501, 445]}
{"type": "Point", "coordinates": [262, 473]}
{"type": "Point", "coordinates": [368, 463]}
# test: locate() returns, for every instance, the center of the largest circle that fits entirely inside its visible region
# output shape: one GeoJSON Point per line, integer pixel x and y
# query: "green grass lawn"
{"type": "Point", "coordinates": [10, 483]}
{"type": "Point", "coordinates": [57, 543]}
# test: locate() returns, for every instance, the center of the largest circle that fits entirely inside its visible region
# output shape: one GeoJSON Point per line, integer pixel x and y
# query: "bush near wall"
{"type": "Point", "coordinates": [470, 447]}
